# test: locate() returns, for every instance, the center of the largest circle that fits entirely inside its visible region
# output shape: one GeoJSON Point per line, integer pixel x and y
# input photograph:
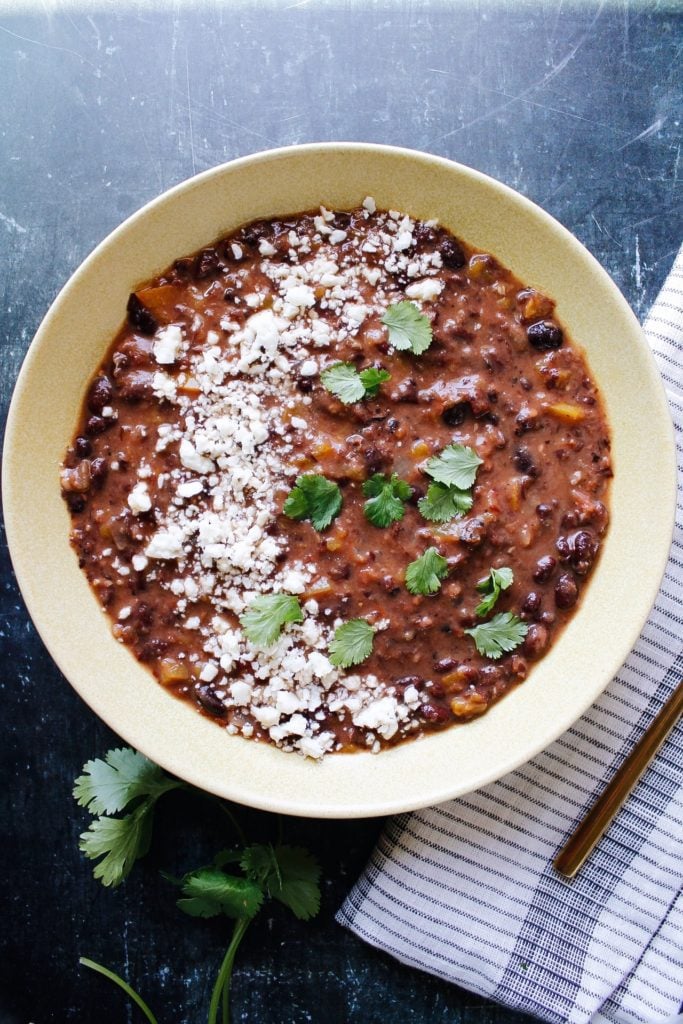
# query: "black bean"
{"type": "Point", "coordinates": [95, 425]}
{"type": "Point", "coordinates": [139, 316]}
{"type": "Point", "coordinates": [435, 690]}
{"type": "Point", "coordinates": [531, 604]}
{"type": "Point", "coordinates": [100, 394]}
{"type": "Point", "coordinates": [424, 234]}
{"type": "Point", "coordinates": [416, 681]}
{"type": "Point", "coordinates": [393, 425]}
{"type": "Point", "coordinates": [544, 511]}
{"type": "Point", "coordinates": [566, 591]}
{"type": "Point", "coordinates": [339, 571]}
{"type": "Point", "coordinates": [584, 550]}
{"type": "Point", "coordinates": [564, 548]}
{"type": "Point", "coordinates": [374, 459]}
{"type": "Point", "coordinates": [253, 233]}
{"type": "Point", "coordinates": [536, 641]}
{"type": "Point", "coordinates": [210, 702]}
{"type": "Point", "coordinates": [445, 665]}
{"type": "Point", "coordinates": [544, 335]}
{"type": "Point", "coordinates": [208, 262]}
{"type": "Point", "coordinates": [436, 713]}
{"type": "Point", "coordinates": [452, 255]}
{"type": "Point", "coordinates": [98, 471]}
{"type": "Point", "coordinates": [152, 649]}
{"type": "Point", "coordinates": [524, 462]}
{"type": "Point", "coordinates": [473, 531]}
{"type": "Point", "coordinates": [183, 267]}
{"type": "Point", "coordinates": [455, 414]}
{"type": "Point", "coordinates": [304, 384]}
{"type": "Point", "coordinates": [545, 567]}
{"type": "Point", "coordinates": [83, 447]}
{"type": "Point", "coordinates": [76, 502]}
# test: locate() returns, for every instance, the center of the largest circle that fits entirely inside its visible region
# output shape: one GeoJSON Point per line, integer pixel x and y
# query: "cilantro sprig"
{"type": "Point", "coordinates": [316, 498]}
{"type": "Point", "coordinates": [267, 614]}
{"type": "Point", "coordinates": [455, 466]}
{"type": "Point", "coordinates": [453, 472]}
{"type": "Point", "coordinates": [349, 385]}
{"type": "Point", "coordinates": [500, 635]}
{"type": "Point", "coordinates": [236, 885]}
{"type": "Point", "coordinates": [125, 779]}
{"type": "Point", "coordinates": [425, 575]}
{"type": "Point", "coordinates": [409, 329]}
{"type": "Point", "coordinates": [492, 587]}
{"type": "Point", "coordinates": [386, 499]}
{"type": "Point", "coordinates": [352, 643]}
{"type": "Point", "coordinates": [442, 503]}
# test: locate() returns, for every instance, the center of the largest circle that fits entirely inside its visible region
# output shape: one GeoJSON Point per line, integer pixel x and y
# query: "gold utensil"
{"type": "Point", "coordinates": [581, 842]}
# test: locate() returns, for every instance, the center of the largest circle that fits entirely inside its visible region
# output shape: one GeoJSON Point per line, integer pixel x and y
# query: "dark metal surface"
{"type": "Point", "coordinates": [575, 106]}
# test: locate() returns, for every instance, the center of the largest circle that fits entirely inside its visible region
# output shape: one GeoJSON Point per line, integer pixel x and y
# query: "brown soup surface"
{"type": "Point", "coordinates": [339, 480]}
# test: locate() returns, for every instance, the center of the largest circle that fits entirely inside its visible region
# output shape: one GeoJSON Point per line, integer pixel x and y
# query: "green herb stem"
{"type": "Point", "coordinates": [131, 993]}
{"type": "Point", "coordinates": [221, 989]}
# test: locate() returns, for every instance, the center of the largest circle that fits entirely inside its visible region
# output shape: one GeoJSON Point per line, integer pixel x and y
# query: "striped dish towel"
{"type": "Point", "coordinates": [466, 891]}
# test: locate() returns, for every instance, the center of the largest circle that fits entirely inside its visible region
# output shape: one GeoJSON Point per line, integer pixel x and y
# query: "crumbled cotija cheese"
{"type": "Point", "coordinates": [232, 445]}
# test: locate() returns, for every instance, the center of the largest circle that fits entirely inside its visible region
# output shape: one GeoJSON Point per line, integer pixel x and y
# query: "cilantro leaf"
{"type": "Point", "coordinates": [496, 581]}
{"type": "Point", "coordinates": [442, 503]}
{"type": "Point", "coordinates": [386, 499]}
{"type": "Point", "coordinates": [424, 575]}
{"type": "Point", "coordinates": [109, 785]}
{"type": "Point", "coordinates": [500, 635]}
{"type": "Point", "coordinates": [298, 886]}
{"type": "Point", "coordinates": [124, 777]}
{"type": "Point", "coordinates": [210, 891]}
{"type": "Point", "coordinates": [372, 378]}
{"type": "Point", "coordinates": [289, 874]}
{"type": "Point", "coordinates": [316, 498]}
{"type": "Point", "coordinates": [348, 385]}
{"type": "Point", "coordinates": [267, 614]}
{"type": "Point", "coordinates": [352, 643]}
{"type": "Point", "coordinates": [409, 329]}
{"type": "Point", "coordinates": [456, 466]}
{"type": "Point", "coordinates": [119, 841]}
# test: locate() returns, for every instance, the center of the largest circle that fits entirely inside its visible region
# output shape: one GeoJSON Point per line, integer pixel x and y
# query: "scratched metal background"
{"type": "Point", "coordinates": [104, 106]}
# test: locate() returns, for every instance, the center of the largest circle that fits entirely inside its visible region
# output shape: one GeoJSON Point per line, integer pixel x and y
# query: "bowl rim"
{"type": "Point", "coordinates": [296, 806]}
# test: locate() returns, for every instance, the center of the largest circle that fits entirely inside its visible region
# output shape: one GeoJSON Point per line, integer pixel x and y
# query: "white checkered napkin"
{"type": "Point", "coordinates": [467, 892]}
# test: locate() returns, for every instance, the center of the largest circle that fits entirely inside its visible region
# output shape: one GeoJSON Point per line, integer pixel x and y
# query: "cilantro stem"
{"type": "Point", "coordinates": [222, 986]}
{"type": "Point", "coordinates": [233, 821]}
{"type": "Point", "coordinates": [131, 993]}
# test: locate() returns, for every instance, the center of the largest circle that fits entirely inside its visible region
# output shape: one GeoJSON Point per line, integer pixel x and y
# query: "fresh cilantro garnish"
{"type": "Point", "coordinates": [455, 466]}
{"type": "Point", "coordinates": [386, 497]}
{"type": "Point", "coordinates": [409, 329]}
{"type": "Point", "coordinates": [352, 643]}
{"type": "Point", "coordinates": [108, 786]}
{"type": "Point", "coordinates": [288, 874]}
{"type": "Point", "coordinates": [501, 634]}
{"type": "Point", "coordinates": [424, 575]}
{"type": "Point", "coordinates": [371, 379]}
{"type": "Point", "coordinates": [348, 385]}
{"type": "Point", "coordinates": [267, 614]}
{"type": "Point", "coordinates": [208, 892]}
{"type": "Point", "coordinates": [123, 779]}
{"type": "Point", "coordinates": [442, 503]}
{"type": "Point", "coordinates": [316, 498]}
{"type": "Point", "coordinates": [496, 581]}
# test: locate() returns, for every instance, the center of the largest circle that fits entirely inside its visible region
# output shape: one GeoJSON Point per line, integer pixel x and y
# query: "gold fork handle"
{"type": "Point", "coordinates": [581, 842]}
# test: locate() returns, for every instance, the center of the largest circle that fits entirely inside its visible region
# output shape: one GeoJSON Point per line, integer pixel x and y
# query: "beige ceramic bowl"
{"type": "Point", "coordinates": [73, 338]}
